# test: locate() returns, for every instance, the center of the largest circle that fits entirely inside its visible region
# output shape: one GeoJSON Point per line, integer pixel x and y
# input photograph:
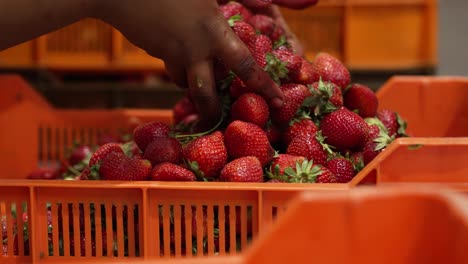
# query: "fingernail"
{"type": "Point", "coordinates": [277, 102]}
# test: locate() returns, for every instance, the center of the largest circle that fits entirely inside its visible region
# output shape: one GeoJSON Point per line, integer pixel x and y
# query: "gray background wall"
{"type": "Point", "coordinates": [453, 37]}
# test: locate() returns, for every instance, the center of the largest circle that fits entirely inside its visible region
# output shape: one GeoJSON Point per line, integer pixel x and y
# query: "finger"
{"type": "Point", "coordinates": [177, 74]}
{"type": "Point", "coordinates": [237, 57]}
{"type": "Point", "coordinates": [256, 3]}
{"type": "Point", "coordinates": [202, 90]}
{"type": "Point", "coordinates": [295, 4]}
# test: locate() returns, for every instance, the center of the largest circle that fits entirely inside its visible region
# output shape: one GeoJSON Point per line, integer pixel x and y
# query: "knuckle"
{"type": "Point", "coordinates": [245, 67]}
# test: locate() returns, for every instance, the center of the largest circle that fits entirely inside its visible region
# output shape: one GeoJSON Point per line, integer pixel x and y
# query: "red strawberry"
{"type": "Point", "coordinates": [79, 154]}
{"type": "Point", "coordinates": [85, 174]}
{"type": "Point", "coordinates": [306, 73]}
{"type": "Point", "coordinates": [43, 174]}
{"type": "Point", "coordinates": [342, 168]}
{"type": "Point", "coordinates": [361, 98]}
{"type": "Point", "coordinates": [357, 159]}
{"type": "Point", "coordinates": [326, 176]}
{"type": "Point", "coordinates": [206, 155]}
{"type": "Point", "coordinates": [233, 8]}
{"type": "Point", "coordinates": [330, 69]}
{"type": "Point", "coordinates": [395, 125]}
{"type": "Point", "coordinates": [147, 132]}
{"type": "Point", "coordinates": [294, 96]}
{"type": "Point", "coordinates": [293, 61]}
{"type": "Point", "coordinates": [377, 140]}
{"type": "Point", "coordinates": [309, 147]}
{"type": "Point", "coordinates": [344, 129]}
{"type": "Point", "coordinates": [251, 108]}
{"type": "Point", "coordinates": [299, 127]}
{"type": "Point", "coordinates": [267, 26]}
{"type": "Point", "coordinates": [104, 150]}
{"type": "Point", "coordinates": [326, 97]}
{"type": "Point", "coordinates": [183, 108]}
{"type": "Point", "coordinates": [244, 31]}
{"type": "Point", "coordinates": [238, 88]}
{"type": "Point", "coordinates": [164, 149]}
{"type": "Point", "coordinates": [117, 166]}
{"type": "Point", "coordinates": [171, 172]}
{"type": "Point", "coordinates": [281, 163]}
{"type": "Point", "coordinates": [245, 169]}
{"type": "Point", "coordinates": [245, 139]}
{"type": "Point", "coordinates": [259, 49]}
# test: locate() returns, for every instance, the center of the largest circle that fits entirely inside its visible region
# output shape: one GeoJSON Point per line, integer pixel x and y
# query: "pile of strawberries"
{"type": "Point", "coordinates": [327, 130]}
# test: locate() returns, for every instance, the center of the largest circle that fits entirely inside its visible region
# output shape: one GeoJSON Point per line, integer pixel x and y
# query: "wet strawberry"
{"type": "Point", "coordinates": [147, 132]}
{"type": "Point", "coordinates": [309, 147]}
{"type": "Point", "coordinates": [342, 168]}
{"type": "Point", "coordinates": [206, 155]}
{"type": "Point", "coordinates": [104, 150]}
{"type": "Point", "coordinates": [294, 96]}
{"type": "Point", "coordinates": [302, 126]}
{"type": "Point", "coordinates": [117, 166]}
{"type": "Point", "coordinates": [361, 98]}
{"type": "Point", "coordinates": [330, 69]}
{"type": "Point", "coordinates": [245, 139]}
{"type": "Point", "coordinates": [326, 176]}
{"type": "Point", "coordinates": [171, 172]}
{"type": "Point", "coordinates": [245, 169]}
{"type": "Point", "coordinates": [234, 8]}
{"type": "Point", "coordinates": [164, 149]}
{"type": "Point", "coordinates": [251, 108]}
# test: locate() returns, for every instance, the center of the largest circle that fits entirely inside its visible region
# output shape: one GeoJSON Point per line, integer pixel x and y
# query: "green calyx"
{"type": "Point", "coordinates": [306, 172]}
{"type": "Point", "coordinates": [282, 41]}
{"type": "Point", "coordinates": [321, 139]}
{"type": "Point", "coordinates": [94, 172]}
{"type": "Point", "coordinates": [319, 100]}
{"type": "Point", "coordinates": [276, 68]}
{"type": "Point", "coordinates": [382, 141]}
{"type": "Point", "coordinates": [402, 125]}
{"type": "Point", "coordinates": [235, 18]}
{"type": "Point", "coordinates": [195, 168]}
{"type": "Point", "coordinates": [375, 121]}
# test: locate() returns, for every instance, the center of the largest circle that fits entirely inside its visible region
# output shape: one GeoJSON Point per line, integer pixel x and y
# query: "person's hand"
{"type": "Point", "coordinates": [189, 36]}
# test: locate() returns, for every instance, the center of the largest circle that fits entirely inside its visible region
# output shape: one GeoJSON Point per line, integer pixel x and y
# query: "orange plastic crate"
{"type": "Point", "coordinates": [370, 34]}
{"type": "Point", "coordinates": [432, 106]}
{"type": "Point", "coordinates": [365, 34]}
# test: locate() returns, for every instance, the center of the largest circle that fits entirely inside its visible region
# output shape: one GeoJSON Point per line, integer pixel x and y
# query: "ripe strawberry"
{"type": "Point", "coordinates": [326, 98]}
{"type": "Point", "coordinates": [294, 62]}
{"type": "Point", "coordinates": [170, 172]}
{"type": "Point", "coordinates": [147, 132]}
{"type": "Point", "coordinates": [294, 96]}
{"type": "Point", "coordinates": [259, 49]}
{"type": "Point", "coordinates": [43, 174]}
{"type": "Point", "coordinates": [244, 31]}
{"type": "Point", "coordinates": [266, 26]}
{"type": "Point", "coordinates": [303, 126]}
{"type": "Point", "coordinates": [281, 163]}
{"type": "Point", "coordinates": [79, 154]}
{"type": "Point", "coordinates": [306, 73]}
{"type": "Point", "coordinates": [362, 98]}
{"type": "Point", "coordinates": [104, 150]}
{"type": "Point", "coordinates": [395, 125]}
{"type": "Point", "coordinates": [245, 139]}
{"type": "Point", "coordinates": [377, 140]}
{"type": "Point", "coordinates": [342, 168]}
{"type": "Point", "coordinates": [183, 108]}
{"type": "Point", "coordinates": [245, 169]}
{"type": "Point", "coordinates": [251, 108]}
{"type": "Point", "coordinates": [326, 176]}
{"type": "Point", "coordinates": [344, 129]}
{"type": "Point", "coordinates": [309, 147]}
{"type": "Point", "coordinates": [206, 155]}
{"type": "Point", "coordinates": [357, 159]}
{"type": "Point", "coordinates": [117, 166]}
{"type": "Point", "coordinates": [233, 8]}
{"type": "Point", "coordinates": [330, 69]}
{"type": "Point", "coordinates": [238, 88]}
{"type": "Point", "coordinates": [164, 149]}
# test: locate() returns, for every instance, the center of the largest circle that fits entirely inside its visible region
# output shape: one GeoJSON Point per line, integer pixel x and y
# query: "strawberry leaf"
{"type": "Point", "coordinates": [402, 125]}
{"type": "Point", "coordinates": [375, 121]}
{"type": "Point", "coordinates": [94, 172]}
{"type": "Point", "coordinates": [195, 168]}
